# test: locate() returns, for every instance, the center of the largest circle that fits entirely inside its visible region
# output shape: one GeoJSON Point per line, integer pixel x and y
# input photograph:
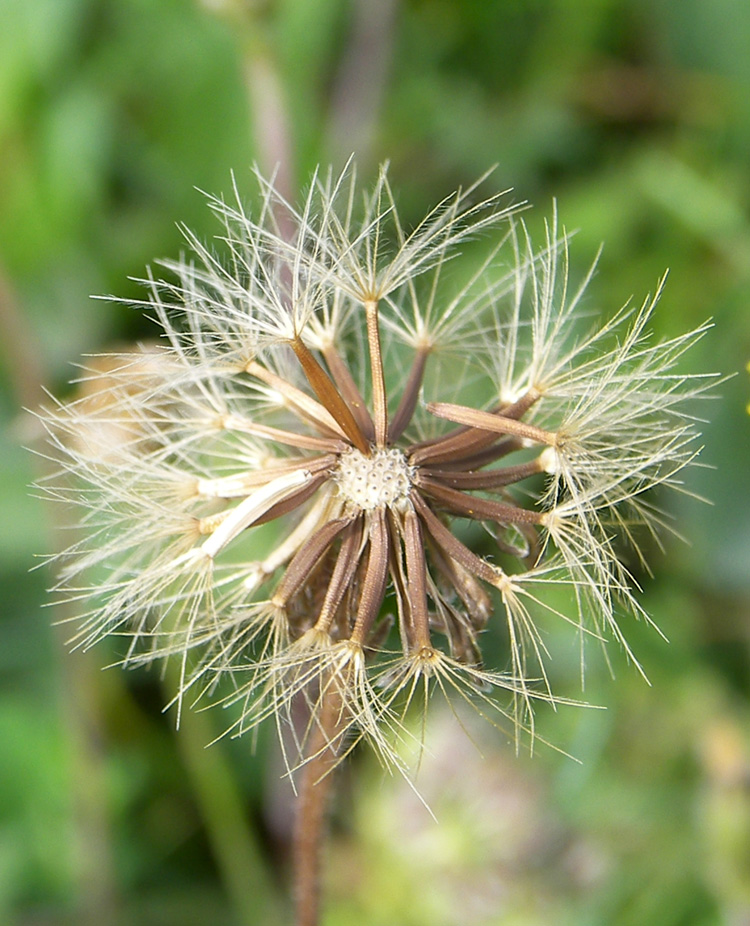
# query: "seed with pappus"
{"type": "Point", "coordinates": [331, 407]}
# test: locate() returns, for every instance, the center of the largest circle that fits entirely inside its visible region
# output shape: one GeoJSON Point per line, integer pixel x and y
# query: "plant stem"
{"type": "Point", "coordinates": [312, 806]}
{"type": "Point", "coordinates": [237, 851]}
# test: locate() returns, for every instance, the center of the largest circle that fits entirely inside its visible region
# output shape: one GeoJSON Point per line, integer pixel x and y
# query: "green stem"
{"type": "Point", "coordinates": [238, 854]}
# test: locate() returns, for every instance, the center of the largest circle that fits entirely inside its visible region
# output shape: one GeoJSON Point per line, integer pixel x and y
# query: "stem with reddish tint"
{"type": "Point", "coordinates": [312, 807]}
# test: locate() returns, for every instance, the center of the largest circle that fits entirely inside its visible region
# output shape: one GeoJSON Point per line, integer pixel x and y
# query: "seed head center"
{"type": "Point", "coordinates": [381, 479]}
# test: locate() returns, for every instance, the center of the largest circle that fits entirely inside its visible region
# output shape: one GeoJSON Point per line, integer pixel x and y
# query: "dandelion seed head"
{"type": "Point", "coordinates": [324, 379]}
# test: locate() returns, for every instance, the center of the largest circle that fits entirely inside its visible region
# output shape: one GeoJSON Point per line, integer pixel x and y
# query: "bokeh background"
{"type": "Point", "coordinates": [635, 116]}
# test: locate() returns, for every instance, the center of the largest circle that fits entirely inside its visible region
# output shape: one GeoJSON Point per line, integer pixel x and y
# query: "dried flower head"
{"type": "Point", "coordinates": [327, 412]}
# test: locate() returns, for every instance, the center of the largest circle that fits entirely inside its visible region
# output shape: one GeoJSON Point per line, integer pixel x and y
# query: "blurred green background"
{"type": "Point", "coordinates": [635, 116]}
